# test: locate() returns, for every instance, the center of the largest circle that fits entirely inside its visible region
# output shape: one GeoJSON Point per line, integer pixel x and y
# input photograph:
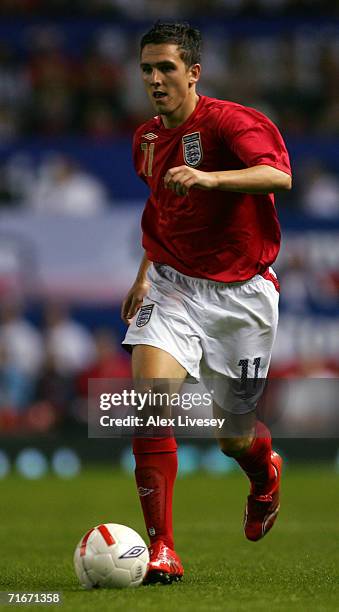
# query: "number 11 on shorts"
{"type": "Point", "coordinates": [243, 363]}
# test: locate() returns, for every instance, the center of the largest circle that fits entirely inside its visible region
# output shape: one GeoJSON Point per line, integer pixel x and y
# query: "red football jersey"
{"type": "Point", "coordinates": [219, 235]}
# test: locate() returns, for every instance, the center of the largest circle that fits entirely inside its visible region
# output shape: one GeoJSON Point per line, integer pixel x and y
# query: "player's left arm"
{"type": "Point", "coordinates": [256, 179]}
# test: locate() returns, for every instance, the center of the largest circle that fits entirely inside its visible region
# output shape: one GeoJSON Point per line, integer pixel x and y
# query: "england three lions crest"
{"type": "Point", "coordinates": [192, 149]}
{"type": "Point", "coordinates": [144, 315]}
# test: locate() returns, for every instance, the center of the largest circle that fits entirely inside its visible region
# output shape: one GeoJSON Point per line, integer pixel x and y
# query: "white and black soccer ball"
{"type": "Point", "coordinates": [111, 556]}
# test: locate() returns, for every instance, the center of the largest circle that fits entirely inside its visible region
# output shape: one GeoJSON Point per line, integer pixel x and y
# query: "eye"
{"type": "Point", "coordinates": [146, 69]}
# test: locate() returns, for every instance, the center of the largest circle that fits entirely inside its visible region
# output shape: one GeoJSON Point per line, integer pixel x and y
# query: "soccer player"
{"type": "Point", "coordinates": [205, 299]}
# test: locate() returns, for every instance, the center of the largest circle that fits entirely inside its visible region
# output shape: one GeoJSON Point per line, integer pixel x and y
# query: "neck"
{"type": "Point", "coordinates": [182, 113]}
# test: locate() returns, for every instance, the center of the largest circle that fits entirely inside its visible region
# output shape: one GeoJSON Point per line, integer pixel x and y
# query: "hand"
{"type": "Point", "coordinates": [133, 300]}
{"type": "Point", "coordinates": [181, 178]}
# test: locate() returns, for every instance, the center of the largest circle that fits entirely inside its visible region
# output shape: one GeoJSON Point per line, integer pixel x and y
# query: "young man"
{"type": "Point", "coordinates": [205, 299]}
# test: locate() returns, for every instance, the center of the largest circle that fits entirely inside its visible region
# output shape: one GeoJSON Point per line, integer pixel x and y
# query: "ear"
{"type": "Point", "coordinates": [194, 75]}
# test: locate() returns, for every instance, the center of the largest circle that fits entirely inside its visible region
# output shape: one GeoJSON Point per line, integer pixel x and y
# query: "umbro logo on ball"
{"type": "Point", "coordinates": [136, 551]}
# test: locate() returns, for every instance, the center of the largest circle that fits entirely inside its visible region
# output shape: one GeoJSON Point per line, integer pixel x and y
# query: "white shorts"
{"type": "Point", "coordinates": [214, 330]}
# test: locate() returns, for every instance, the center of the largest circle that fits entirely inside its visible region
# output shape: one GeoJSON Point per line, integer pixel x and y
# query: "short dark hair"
{"type": "Point", "coordinates": [188, 39]}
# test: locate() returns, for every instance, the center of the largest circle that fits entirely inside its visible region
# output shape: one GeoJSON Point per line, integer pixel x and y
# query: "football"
{"type": "Point", "coordinates": [111, 556]}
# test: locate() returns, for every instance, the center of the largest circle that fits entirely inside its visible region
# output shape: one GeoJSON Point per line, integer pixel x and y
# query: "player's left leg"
{"type": "Point", "coordinates": [237, 348]}
{"type": "Point", "coordinates": [248, 441]}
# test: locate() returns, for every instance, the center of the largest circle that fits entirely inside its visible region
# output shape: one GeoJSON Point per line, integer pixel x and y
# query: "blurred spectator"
{"type": "Point", "coordinates": [18, 178]}
{"type": "Point", "coordinates": [320, 195]}
{"type": "Point", "coordinates": [295, 279]}
{"type": "Point", "coordinates": [21, 355]}
{"type": "Point", "coordinates": [8, 124]}
{"type": "Point", "coordinates": [14, 93]}
{"type": "Point", "coordinates": [54, 387]}
{"type": "Point", "coordinates": [99, 121]}
{"type": "Point", "coordinates": [20, 340]}
{"type": "Point", "coordinates": [16, 385]}
{"type": "Point", "coordinates": [53, 76]}
{"type": "Point", "coordinates": [69, 345]}
{"type": "Point", "coordinates": [89, 83]}
{"type": "Point", "coordinates": [139, 9]}
{"type": "Point", "coordinates": [111, 361]}
{"type": "Point", "coordinates": [305, 366]}
{"type": "Point", "coordinates": [101, 100]}
{"type": "Point", "coordinates": [64, 189]}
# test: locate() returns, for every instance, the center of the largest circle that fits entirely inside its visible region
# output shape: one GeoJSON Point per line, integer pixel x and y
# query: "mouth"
{"type": "Point", "coordinates": [159, 95]}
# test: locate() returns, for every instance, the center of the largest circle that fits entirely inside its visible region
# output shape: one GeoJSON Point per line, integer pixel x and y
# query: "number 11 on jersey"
{"type": "Point", "coordinates": [148, 149]}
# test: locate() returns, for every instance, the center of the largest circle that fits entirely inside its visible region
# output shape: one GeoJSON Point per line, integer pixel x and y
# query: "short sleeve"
{"type": "Point", "coordinates": [253, 138]}
{"type": "Point", "coordinates": [135, 145]}
{"type": "Point", "coordinates": [136, 154]}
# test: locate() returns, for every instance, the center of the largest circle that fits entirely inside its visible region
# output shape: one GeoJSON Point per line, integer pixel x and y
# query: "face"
{"type": "Point", "coordinates": [169, 83]}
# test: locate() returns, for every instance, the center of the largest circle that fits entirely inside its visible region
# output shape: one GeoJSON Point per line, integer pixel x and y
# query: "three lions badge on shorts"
{"type": "Point", "coordinates": [144, 315]}
{"type": "Point", "coordinates": [192, 149]}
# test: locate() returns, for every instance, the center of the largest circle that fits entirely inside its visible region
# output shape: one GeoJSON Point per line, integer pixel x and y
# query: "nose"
{"type": "Point", "coordinates": [155, 77]}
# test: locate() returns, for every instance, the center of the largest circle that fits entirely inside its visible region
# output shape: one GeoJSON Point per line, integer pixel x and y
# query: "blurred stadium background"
{"type": "Point", "coordinates": [70, 98]}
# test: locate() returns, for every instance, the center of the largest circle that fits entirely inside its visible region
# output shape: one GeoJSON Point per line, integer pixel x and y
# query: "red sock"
{"type": "Point", "coordinates": [256, 461]}
{"type": "Point", "coordinates": [155, 472]}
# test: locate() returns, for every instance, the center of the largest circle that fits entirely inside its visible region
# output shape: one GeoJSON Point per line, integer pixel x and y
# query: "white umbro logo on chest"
{"type": "Point", "coordinates": [149, 136]}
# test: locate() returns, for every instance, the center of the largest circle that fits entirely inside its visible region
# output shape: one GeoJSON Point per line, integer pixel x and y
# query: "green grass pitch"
{"type": "Point", "coordinates": [294, 568]}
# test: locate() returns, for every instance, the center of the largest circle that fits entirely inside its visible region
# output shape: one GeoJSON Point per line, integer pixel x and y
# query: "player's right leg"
{"type": "Point", "coordinates": [166, 346]}
{"type": "Point", "coordinates": [156, 468]}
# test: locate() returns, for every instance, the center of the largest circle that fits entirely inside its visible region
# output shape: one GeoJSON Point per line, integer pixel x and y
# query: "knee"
{"type": "Point", "coordinates": [236, 445]}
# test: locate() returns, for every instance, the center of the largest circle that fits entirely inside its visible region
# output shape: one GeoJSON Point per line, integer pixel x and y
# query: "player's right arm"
{"type": "Point", "coordinates": [136, 294]}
